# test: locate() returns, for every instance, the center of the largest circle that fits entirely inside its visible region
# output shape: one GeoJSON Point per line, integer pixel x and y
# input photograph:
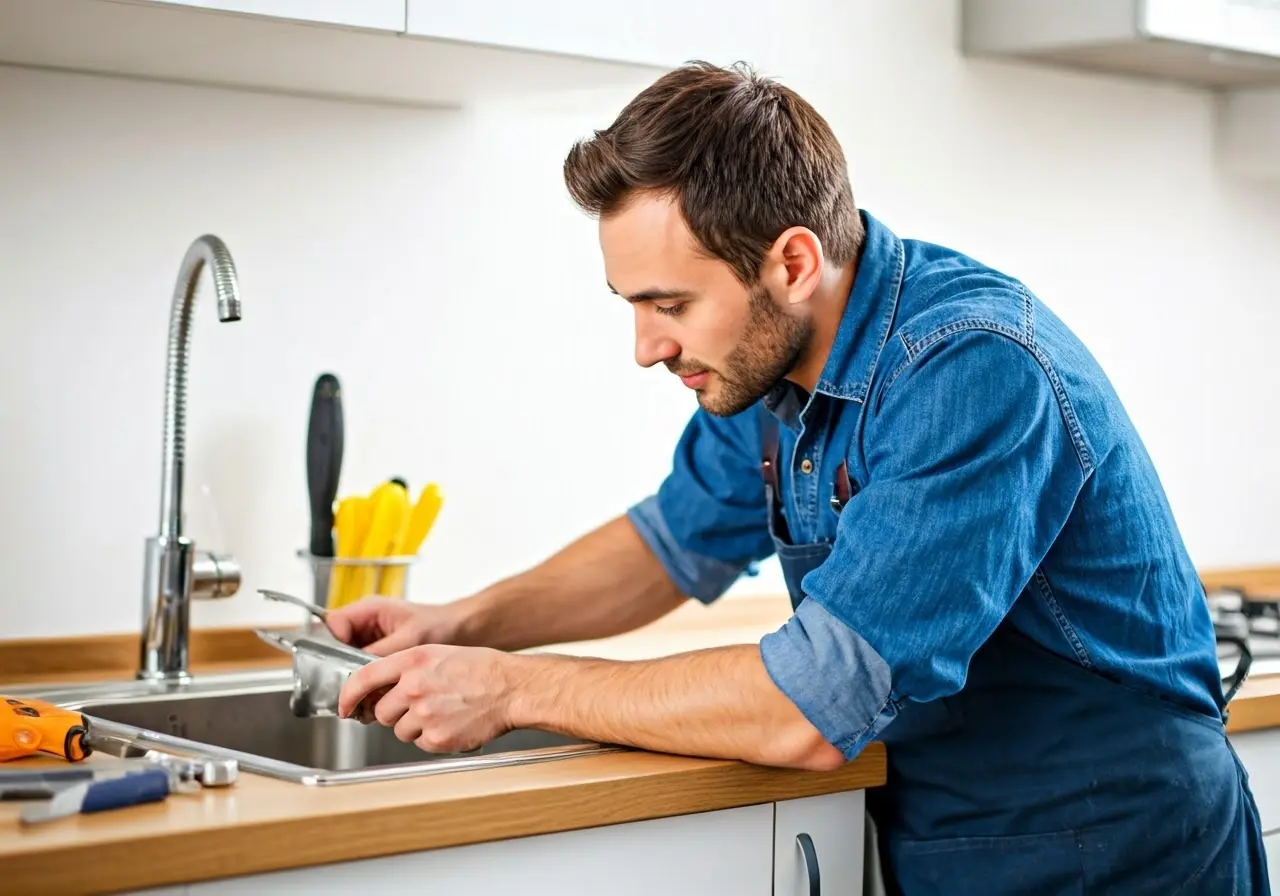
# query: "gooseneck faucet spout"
{"type": "Point", "coordinates": [205, 251]}
{"type": "Point", "coordinates": [175, 572]}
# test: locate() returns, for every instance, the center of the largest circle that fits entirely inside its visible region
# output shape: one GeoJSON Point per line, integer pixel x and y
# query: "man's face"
{"type": "Point", "coordinates": [728, 343]}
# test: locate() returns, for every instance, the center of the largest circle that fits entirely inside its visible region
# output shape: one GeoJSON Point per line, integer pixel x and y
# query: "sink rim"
{"type": "Point", "coordinates": [85, 697]}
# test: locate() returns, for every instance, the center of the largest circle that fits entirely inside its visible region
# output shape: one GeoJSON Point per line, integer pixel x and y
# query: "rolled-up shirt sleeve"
{"type": "Point", "coordinates": [974, 465]}
{"type": "Point", "coordinates": [707, 522]}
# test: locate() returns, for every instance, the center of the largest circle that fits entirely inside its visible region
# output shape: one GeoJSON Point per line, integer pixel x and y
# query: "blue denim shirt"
{"type": "Point", "coordinates": [997, 476]}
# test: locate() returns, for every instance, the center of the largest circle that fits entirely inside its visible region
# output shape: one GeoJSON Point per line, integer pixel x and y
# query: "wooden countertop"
{"type": "Point", "coordinates": [261, 824]}
{"type": "Point", "coordinates": [1261, 583]}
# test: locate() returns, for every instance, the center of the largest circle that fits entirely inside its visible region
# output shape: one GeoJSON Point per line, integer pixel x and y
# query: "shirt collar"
{"type": "Point", "coordinates": [864, 328]}
{"type": "Point", "coordinates": [868, 316]}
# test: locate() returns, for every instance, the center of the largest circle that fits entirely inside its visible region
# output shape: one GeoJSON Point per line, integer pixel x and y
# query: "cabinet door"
{"type": "Point", "coordinates": [660, 32]}
{"type": "Point", "coordinates": [1272, 844]}
{"type": "Point", "coordinates": [383, 15]}
{"type": "Point", "coordinates": [727, 851]}
{"type": "Point", "coordinates": [832, 828]}
{"type": "Point", "coordinates": [1260, 753]}
{"type": "Point", "coordinates": [1251, 26]}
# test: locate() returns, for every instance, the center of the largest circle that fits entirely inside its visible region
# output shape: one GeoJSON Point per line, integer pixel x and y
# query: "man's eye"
{"type": "Point", "coordinates": [669, 309]}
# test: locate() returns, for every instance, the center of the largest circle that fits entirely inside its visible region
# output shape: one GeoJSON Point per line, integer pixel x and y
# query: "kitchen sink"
{"type": "Point", "coordinates": [246, 717]}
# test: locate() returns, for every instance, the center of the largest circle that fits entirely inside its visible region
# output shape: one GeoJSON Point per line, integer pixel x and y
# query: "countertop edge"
{"type": "Point", "coordinates": [187, 854]}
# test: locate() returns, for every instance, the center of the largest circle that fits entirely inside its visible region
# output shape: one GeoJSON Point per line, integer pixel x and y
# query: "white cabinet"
{"type": "Point", "coordinates": [381, 15]}
{"type": "Point", "coordinates": [662, 33]}
{"type": "Point", "coordinates": [1260, 753]}
{"type": "Point", "coordinates": [1206, 43]}
{"type": "Point", "coordinates": [727, 851]}
{"type": "Point", "coordinates": [352, 49]}
{"type": "Point", "coordinates": [833, 827]}
{"type": "Point", "coordinates": [748, 851]}
{"type": "Point", "coordinates": [1273, 857]}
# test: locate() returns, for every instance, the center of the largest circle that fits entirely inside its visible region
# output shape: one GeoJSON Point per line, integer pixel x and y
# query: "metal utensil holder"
{"type": "Point", "coordinates": [388, 576]}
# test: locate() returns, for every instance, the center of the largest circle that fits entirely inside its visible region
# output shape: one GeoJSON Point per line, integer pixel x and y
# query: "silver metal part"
{"type": "Point", "coordinates": [321, 666]}
{"type": "Point", "coordinates": [203, 771]}
{"type": "Point", "coordinates": [320, 612]}
{"type": "Point", "coordinates": [175, 572]}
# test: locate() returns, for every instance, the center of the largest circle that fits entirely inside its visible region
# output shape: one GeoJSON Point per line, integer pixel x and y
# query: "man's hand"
{"type": "Point", "coordinates": [442, 698]}
{"type": "Point", "coordinates": [382, 625]}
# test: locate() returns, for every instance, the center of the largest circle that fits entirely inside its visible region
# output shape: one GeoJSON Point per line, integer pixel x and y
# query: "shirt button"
{"type": "Point", "coordinates": [806, 466]}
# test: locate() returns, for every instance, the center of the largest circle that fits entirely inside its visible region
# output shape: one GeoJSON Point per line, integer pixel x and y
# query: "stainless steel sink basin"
{"type": "Point", "coordinates": [246, 717]}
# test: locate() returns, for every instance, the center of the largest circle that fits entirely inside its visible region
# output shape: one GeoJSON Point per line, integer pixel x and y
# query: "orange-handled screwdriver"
{"type": "Point", "coordinates": [30, 726]}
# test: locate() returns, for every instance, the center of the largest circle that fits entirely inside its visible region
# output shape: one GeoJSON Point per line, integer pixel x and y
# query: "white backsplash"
{"type": "Point", "coordinates": [433, 262]}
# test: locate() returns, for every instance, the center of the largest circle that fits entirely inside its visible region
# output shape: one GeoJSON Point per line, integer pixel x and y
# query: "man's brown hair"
{"type": "Point", "coordinates": [744, 156]}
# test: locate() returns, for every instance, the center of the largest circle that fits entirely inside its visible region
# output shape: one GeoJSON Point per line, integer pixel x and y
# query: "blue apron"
{"type": "Point", "coordinates": [1042, 778]}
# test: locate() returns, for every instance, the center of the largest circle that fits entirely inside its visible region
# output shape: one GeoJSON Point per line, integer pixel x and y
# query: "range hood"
{"type": "Point", "coordinates": [1216, 44]}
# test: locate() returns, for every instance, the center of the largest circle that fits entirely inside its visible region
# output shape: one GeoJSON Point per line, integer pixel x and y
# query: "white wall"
{"type": "Point", "coordinates": [432, 260]}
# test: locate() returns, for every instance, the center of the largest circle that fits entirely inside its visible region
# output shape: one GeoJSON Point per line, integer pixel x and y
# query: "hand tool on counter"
{"type": "Point", "coordinates": [205, 772]}
{"type": "Point", "coordinates": [133, 788]}
{"type": "Point", "coordinates": [185, 773]}
{"type": "Point", "coordinates": [31, 726]}
{"type": "Point", "coordinates": [43, 783]}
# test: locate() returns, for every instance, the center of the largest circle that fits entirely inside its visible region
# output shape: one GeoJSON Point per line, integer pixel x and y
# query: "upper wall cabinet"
{"type": "Point", "coordinates": [661, 33]}
{"type": "Point", "coordinates": [354, 49]}
{"type": "Point", "coordinates": [1206, 43]}
{"type": "Point", "coordinates": [381, 15]}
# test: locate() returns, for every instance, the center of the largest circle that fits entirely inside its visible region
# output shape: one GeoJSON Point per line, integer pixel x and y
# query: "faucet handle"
{"type": "Point", "coordinates": [214, 575]}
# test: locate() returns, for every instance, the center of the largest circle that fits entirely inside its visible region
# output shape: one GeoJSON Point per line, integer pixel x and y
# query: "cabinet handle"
{"type": "Point", "coordinates": [810, 863]}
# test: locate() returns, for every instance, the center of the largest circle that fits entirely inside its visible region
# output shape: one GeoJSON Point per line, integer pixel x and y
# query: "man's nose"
{"type": "Point", "coordinates": [652, 345]}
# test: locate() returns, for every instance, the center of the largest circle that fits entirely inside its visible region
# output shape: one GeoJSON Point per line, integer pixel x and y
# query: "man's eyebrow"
{"type": "Point", "coordinates": [649, 295]}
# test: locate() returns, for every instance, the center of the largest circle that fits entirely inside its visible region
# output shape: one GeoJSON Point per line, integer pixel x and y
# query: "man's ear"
{"type": "Point", "coordinates": [795, 261]}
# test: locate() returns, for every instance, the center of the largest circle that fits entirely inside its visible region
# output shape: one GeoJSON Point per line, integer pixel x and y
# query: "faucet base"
{"type": "Point", "coordinates": [166, 610]}
{"type": "Point", "coordinates": [176, 573]}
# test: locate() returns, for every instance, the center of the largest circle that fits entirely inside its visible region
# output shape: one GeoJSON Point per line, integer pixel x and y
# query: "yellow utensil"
{"type": "Point", "coordinates": [390, 512]}
{"type": "Point", "coordinates": [414, 534]}
{"type": "Point", "coordinates": [351, 522]}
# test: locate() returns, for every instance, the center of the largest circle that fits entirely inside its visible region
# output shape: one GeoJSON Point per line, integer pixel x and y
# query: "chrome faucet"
{"type": "Point", "coordinates": [175, 571]}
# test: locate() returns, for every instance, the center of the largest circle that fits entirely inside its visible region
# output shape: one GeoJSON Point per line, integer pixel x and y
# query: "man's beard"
{"type": "Point", "coordinates": [770, 348]}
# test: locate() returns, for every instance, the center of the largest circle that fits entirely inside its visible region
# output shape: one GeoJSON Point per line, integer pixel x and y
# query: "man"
{"type": "Point", "coordinates": [985, 572]}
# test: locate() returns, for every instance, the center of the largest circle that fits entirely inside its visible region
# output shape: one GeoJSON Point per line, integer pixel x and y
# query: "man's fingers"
{"type": "Point", "coordinates": [367, 679]}
{"type": "Point", "coordinates": [363, 713]}
{"type": "Point", "coordinates": [340, 625]}
{"type": "Point", "coordinates": [408, 729]}
{"type": "Point", "coordinates": [400, 639]}
{"type": "Point", "coordinates": [390, 707]}
{"type": "Point", "coordinates": [348, 622]}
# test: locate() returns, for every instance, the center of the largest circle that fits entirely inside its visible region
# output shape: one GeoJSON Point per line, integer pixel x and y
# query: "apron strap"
{"type": "Point", "coordinates": [769, 448]}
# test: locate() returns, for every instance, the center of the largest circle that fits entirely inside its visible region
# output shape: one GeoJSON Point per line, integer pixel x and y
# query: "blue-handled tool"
{"type": "Point", "coordinates": [135, 788]}
{"type": "Point", "coordinates": [43, 783]}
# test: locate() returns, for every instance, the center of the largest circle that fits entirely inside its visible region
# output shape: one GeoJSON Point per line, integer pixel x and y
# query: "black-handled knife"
{"type": "Point", "coordinates": [324, 460]}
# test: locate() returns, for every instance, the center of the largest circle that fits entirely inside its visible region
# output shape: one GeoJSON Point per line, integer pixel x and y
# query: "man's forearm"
{"type": "Point", "coordinates": [719, 702]}
{"type": "Point", "coordinates": [605, 583]}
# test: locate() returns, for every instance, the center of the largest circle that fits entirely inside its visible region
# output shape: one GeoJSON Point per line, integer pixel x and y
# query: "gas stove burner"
{"type": "Point", "coordinates": [1236, 614]}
